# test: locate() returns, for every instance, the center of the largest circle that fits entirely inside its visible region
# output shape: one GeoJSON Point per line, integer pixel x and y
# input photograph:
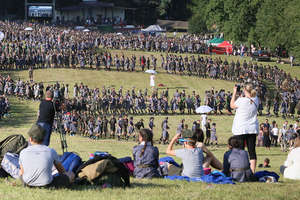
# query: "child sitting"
{"type": "Point", "coordinates": [236, 162]}
{"type": "Point", "coordinates": [266, 163]}
{"type": "Point", "coordinates": [291, 166]}
{"type": "Point", "coordinates": [145, 156]}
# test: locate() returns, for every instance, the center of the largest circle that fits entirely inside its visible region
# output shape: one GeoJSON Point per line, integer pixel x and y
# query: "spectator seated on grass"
{"type": "Point", "coordinates": [145, 156]}
{"type": "Point", "coordinates": [291, 167]}
{"type": "Point", "coordinates": [236, 162]}
{"type": "Point", "coordinates": [37, 160]}
{"type": "Point", "coordinates": [192, 156]}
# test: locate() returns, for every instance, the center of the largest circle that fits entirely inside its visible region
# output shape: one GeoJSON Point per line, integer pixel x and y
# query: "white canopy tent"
{"type": "Point", "coordinates": [1, 35]}
{"type": "Point", "coordinates": [153, 28]}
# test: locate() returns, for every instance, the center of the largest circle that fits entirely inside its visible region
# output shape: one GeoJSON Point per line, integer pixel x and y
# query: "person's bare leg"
{"type": "Point", "coordinates": [253, 165]}
{"type": "Point", "coordinates": [206, 162]}
{"type": "Point", "coordinates": [213, 161]}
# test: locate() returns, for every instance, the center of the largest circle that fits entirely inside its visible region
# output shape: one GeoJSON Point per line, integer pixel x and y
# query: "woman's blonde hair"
{"type": "Point", "coordinates": [249, 88]}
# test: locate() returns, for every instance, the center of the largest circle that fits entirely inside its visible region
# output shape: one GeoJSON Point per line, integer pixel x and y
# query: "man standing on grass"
{"type": "Point", "coordinates": [46, 116]}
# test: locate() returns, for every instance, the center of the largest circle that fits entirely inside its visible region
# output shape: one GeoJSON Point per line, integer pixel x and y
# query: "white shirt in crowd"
{"type": "Point", "coordinates": [203, 122]}
{"type": "Point", "coordinates": [275, 131]}
{"type": "Point", "coordinates": [295, 126]}
{"type": "Point", "coordinates": [152, 81]}
{"type": "Point", "coordinates": [245, 119]}
{"type": "Point", "coordinates": [292, 165]}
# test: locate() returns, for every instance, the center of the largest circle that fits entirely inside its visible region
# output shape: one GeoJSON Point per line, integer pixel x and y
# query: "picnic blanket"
{"type": "Point", "coordinates": [215, 177]}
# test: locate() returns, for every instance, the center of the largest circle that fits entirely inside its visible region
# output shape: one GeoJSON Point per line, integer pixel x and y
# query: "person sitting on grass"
{"type": "Point", "coordinates": [291, 166]}
{"type": "Point", "coordinates": [236, 161]}
{"type": "Point", "coordinates": [266, 163]}
{"type": "Point", "coordinates": [192, 156]}
{"type": "Point", "coordinates": [145, 156]}
{"type": "Point", "coordinates": [36, 162]}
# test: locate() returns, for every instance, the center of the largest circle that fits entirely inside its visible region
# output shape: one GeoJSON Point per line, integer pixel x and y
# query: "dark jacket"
{"type": "Point", "coordinates": [236, 165]}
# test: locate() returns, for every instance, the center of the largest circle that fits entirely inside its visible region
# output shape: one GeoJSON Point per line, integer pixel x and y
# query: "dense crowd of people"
{"type": "Point", "coordinates": [49, 46]}
{"type": "Point", "coordinates": [109, 112]}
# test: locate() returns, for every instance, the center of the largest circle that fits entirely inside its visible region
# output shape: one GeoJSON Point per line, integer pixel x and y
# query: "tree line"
{"type": "Point", "coordinates": [265, 23]}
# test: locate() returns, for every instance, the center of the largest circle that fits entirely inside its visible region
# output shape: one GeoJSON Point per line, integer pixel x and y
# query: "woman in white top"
{"type": "Point", "coordinates": [291, 166]}
{"type": "Point", "coordinates": [245, 124]}
{"type": "Point", "coordinates": [152, 81]}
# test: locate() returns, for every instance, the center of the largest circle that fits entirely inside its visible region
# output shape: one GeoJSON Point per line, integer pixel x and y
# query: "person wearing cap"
{"type": "Point", "coordinates": [192, 155]}
{"type": "Point", "coordinates": [291, 166]}
{"type": "Point", "coordinates": [36, 162]}
{"type": "Point", "coordinates": [46, 116]}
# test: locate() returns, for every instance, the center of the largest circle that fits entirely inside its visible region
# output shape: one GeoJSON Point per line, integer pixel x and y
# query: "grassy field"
{"type": "Point", "coordinates": [23, 115]}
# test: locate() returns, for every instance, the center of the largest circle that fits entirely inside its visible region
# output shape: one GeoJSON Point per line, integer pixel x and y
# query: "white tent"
{"type": "Point", "coordinates": [28, 29]}
{"type": "Point", "coordinates": [153, 28]}
{"type": "Point", "coordinates": [1, 35]}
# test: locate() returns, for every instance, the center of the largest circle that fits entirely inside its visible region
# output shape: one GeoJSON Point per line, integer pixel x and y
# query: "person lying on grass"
{"type": "Point", "coordinates": [36, 162]}
{"type": "Point", "coordinates": [236, 161]}
{"type": "Point", "coordinates": [192, 156]}
{"type": "Point", "coordinates": [145, 156]}
{"type": "Point", "coordinates": [291, 167]}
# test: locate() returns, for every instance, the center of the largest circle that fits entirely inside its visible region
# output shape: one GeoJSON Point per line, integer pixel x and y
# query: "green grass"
{"type": "Point", "coordinates": [23, 114]}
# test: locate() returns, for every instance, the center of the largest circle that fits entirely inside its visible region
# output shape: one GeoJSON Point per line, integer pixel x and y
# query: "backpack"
{"type": "Point", "coordinates": [128, 163]}
{"type": "Point", "coordinates": [13, 144]}
{"type": "Point", "coordinates": [71, 161]}
{"type": "Point", "coordinates": [118, 179]}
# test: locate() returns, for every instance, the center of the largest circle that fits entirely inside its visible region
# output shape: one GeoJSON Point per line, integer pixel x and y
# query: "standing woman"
{"type": "Point", "coordinates": [245, 124]}
{"type": "Point", "coordinates": [152, 81]}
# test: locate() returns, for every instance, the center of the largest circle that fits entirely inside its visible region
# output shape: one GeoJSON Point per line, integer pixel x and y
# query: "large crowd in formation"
{"type": "Point", "coordinates": [109, 112]}
{"type": "Point", "coordinates": [52, 47]}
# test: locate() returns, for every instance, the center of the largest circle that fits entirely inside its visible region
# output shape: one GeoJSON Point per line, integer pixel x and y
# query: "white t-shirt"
{"type": "Point", "coordinates": [245, 119]}
{"type": "Point", "coordinates": [152, 82]}
{"type": "Point", "coordinates": [203, 122]}
{"type": "Point", "coordinates": [293, 165]}
{"type": "Point", "coordinates": [275, 131]}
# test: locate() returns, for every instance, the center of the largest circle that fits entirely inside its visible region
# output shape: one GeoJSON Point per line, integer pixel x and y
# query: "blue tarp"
{"type": "Point", "coordinates": [215, 177]}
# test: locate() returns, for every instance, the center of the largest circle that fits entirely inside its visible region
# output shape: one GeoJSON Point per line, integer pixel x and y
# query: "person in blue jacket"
{"type": "Point", "coordinates": [145, 156]}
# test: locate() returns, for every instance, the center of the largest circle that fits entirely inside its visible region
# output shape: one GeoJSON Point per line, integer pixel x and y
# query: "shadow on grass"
{"type": "Point", "coordinates": [20, 114]}
{"type": "Point", "coordinates": [147, 185]}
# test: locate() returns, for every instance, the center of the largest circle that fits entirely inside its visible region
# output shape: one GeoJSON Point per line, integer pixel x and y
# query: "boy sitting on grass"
{"type": "Point", "coordinates": [192, 156]}
{"type": "Point", "coordinates": [36, 162]}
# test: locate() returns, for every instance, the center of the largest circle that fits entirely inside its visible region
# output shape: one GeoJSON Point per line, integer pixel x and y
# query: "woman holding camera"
{"type": "Point", "coordinates": [245, 124]}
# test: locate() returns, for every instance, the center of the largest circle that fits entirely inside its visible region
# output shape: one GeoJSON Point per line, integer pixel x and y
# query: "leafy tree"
{"type": "Point", "coordinates": [270, 23]}
{"type": "Point", "coordinates": [197, 23]}
{"type": "Point", "coordinates": [174, 9]}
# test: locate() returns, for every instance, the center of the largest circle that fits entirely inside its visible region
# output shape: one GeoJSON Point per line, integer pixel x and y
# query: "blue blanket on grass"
{"type": "Point", "coordinates": [215, 177]}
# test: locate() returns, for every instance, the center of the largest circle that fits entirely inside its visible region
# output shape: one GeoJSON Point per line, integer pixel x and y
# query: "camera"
{"type": "Point", "coordinates": [238, 88]}
{"type": "Point", "coordinates": [294, 136]}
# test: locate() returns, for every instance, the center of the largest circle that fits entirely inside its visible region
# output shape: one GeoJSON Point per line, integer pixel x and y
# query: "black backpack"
{"type": "Point", "coordinates": [12, 144]}
{"type": "Point", "coordinates": [121, 177]}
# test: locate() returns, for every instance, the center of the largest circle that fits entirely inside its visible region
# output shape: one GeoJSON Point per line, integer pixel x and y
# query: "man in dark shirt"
{"type": "Point", "coordinates": [46, 116]}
